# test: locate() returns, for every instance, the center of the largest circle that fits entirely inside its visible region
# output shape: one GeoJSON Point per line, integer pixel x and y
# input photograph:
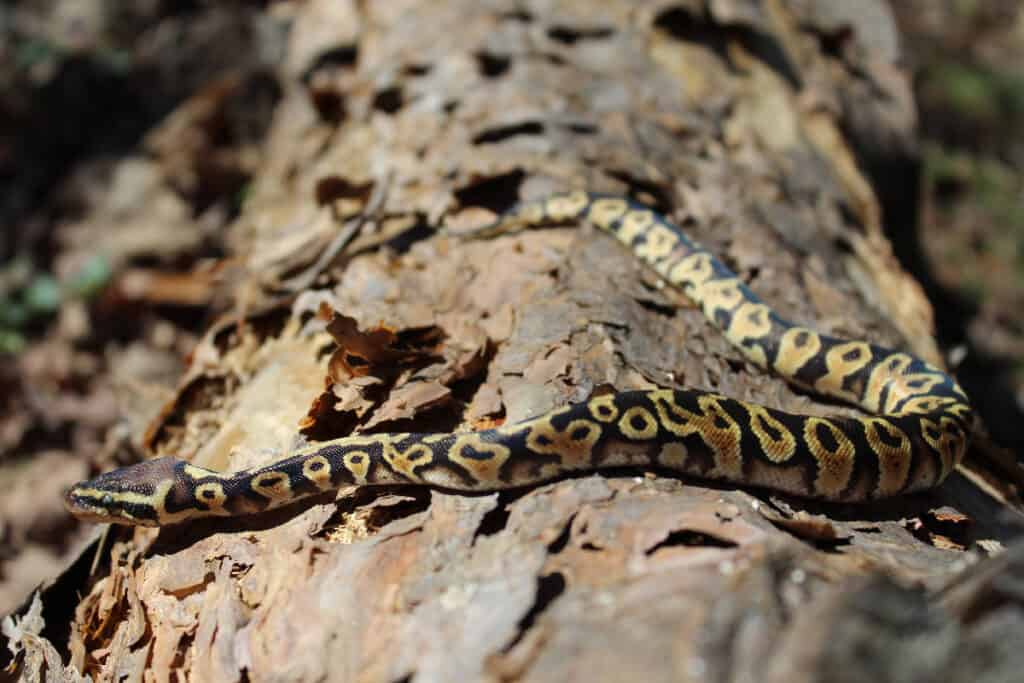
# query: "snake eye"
{"type": "Point", "coordinates": [107, 499]}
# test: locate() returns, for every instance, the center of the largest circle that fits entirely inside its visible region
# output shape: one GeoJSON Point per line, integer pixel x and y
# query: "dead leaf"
{"type": "Point", "coordinates": [805, 525]}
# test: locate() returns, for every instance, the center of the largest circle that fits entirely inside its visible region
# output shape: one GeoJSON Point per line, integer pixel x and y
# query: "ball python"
{"type": "Point", "coordinates": [915, 430]}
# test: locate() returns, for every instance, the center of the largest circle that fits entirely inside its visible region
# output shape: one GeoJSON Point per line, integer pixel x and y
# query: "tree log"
{"type": "Point", "coordinates": [743, 121]}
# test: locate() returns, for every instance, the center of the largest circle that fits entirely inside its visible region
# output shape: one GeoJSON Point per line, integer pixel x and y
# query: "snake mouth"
{"type": "Point", "coordinates": [79, 506]}
{"type": "Point", "coordinates": [102, 509]}
{"type": "Point", "coordinates": [83, 508]}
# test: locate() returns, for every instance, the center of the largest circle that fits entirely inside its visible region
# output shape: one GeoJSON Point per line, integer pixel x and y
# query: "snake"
{"type": "Point", "coordinates": [912, 430]}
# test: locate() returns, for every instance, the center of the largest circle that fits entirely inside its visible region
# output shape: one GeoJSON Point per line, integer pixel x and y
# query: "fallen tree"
{"type": "Point", "coordinates": [347, 313]}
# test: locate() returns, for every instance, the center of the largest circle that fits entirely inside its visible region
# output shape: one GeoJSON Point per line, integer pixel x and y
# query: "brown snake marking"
{"type": "Point", "coordinates": [918, 434]}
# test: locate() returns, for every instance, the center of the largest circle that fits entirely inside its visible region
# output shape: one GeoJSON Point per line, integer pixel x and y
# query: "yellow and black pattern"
{"type": "Point", "coordinates": [917, 435]}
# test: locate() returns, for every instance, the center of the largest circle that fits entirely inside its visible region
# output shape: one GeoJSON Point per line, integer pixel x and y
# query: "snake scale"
{"type": "Point", "coordinates": [916, 431]}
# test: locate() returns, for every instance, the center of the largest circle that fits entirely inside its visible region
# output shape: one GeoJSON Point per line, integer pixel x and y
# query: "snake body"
{"type": "Point", "coordinates": [917, 432]}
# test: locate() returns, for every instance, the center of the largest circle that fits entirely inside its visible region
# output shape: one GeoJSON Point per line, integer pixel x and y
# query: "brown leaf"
{"type": "Point", "coordinates": [360, 353]}
{"type": "Point", "coordinates": [805, 525]}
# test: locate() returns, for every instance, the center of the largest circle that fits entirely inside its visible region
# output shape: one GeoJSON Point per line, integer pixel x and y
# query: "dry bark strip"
{"type": "Point", "coordinates": [728, 115]}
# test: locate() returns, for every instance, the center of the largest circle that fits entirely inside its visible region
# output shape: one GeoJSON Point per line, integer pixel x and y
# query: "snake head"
{"type": "Point", "coordinates": [135, 495]}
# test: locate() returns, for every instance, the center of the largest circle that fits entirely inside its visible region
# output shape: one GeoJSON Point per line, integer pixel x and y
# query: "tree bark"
{"type": "Point", "coordinates": [743, 121]}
